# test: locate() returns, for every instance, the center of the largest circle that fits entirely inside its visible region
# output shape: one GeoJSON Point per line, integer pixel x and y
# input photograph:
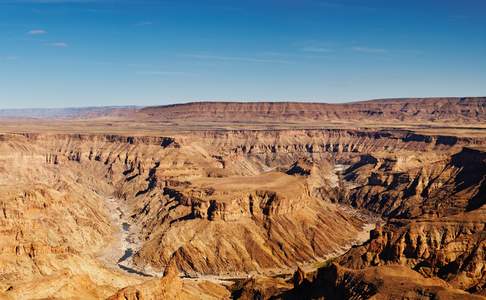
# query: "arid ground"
{"type": "Point", "coordinates": [225, 200]}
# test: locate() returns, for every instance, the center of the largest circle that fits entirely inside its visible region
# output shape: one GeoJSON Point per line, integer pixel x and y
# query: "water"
{"type": "Point", "coordinates": [133, 271]}
{"type": "Point", "coordinates": [128, 254]}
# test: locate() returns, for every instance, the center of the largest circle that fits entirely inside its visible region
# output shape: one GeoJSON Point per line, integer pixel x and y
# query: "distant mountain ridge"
{"type": "Point", "coordinates": [66, 113]}
{"type": "Point", "coordinates": [465, 109]}
{"type": "Point", "coordinates": [458, 110]}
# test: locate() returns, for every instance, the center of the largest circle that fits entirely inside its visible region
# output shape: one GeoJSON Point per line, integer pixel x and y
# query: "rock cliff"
{"type": "Point", "coordinates": [246, 205]}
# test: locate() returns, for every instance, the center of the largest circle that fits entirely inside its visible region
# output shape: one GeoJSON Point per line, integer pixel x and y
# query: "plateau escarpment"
{"type": "Point", "coordinates": [238, 225]}
{"type": "Point", "coordinates": [52, 225]}
{"type": "Point", "coordinates": [229, 204]}
{"type": "Point", "coordinates": [173, 191]}
{"type": "Point", "coordinates": [436, 217]}
{"type": "Point", "coordinates": [469, 110]}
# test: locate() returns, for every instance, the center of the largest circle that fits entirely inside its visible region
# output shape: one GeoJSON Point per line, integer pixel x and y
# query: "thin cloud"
{"type": "Point", "coordinates": [341, 5]}
{"type": "Point", "coordinates": [330, 4]}
{"type": "Point", "coordinates": [237, 59]}
{"type": "Point", "coordinates": [58, 44]}
{"type": "Point", "coordinates": [144, 23]}
{"type": "Point", "coordinates": [369, 50]}
{"type": "Point", "coordinates": [316, 49]}
{"type": "Point", "coordinates": [138, 65]}
{"type": "Point", "coordinates": [274, 54]}
{"type": "Point", "coordinates": [8, 58]}
{"type": "Point", "coordinates": [161, 73]}
{"type": "Point", "coordinates": [315, 46]}
{"type": "Point", "coordinates": [37, 32]}
{"type": "Point", "coordinates": [456, 18]}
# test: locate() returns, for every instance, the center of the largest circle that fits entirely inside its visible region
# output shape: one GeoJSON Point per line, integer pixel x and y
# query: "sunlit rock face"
{"type": "Point", "coordinates": [234, 212]}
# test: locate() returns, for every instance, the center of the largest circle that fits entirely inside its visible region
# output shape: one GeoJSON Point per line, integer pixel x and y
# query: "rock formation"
{"type": "Point", "coordinates": [229, 212]}
{"type": "Point", "coordinates": [467, 109]}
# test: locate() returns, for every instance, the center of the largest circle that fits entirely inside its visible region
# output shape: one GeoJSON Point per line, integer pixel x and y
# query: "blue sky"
{"type": "Point", "coordinates": [58, 53]}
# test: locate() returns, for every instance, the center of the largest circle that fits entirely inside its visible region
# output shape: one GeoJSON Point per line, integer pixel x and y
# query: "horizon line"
{"type": "Point", "coordinates": [240, 102]}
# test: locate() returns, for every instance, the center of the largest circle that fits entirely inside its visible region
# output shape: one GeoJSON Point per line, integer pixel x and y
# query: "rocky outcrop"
{"type": "Point", "coordinates": [301, 168]}
{"type": "Point", "coordinates": [234, 202]}
{"type": "Point", "coordinates": [229, 231]}
{"type": "Point", "coordinates": [451, 248]}
{"type": "Point", "coordinates": [259, 287]}
{"type": "Point", "coordinates": [170, 286]}
{"type": "Point", "coordinates": [436, 211]}
{"type": "Point", "coordinates": [387, 282]}
{"type": "Point", "coordinates": [413, 186]}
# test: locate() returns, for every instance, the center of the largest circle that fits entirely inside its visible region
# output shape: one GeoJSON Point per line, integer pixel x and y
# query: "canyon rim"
{"type": "Point", "coordinates": [242, 150]}
{"type": "Point", "coordinates": [246, 201]}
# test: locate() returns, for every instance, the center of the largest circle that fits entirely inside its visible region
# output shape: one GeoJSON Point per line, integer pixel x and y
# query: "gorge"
{"type": "Point", "coordinates": [246, 201]}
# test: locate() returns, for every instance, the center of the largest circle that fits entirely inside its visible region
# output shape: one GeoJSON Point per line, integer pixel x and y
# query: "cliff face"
{"type": "Point", "coordinates": [434, 206]}
{"type": "Point", "coordinates": [228, 213]}
{"type": "Point", "coordinates": [53, 224]}
{"type": "Point", "coordinates": [385, 282]}
{"type": "Point", "coordinates": [437, 219]}
{"type": "Point", "coordinates": [239, 202]}
{"type": "Point", "coordinates": [450, 248]}
{"type": "Point", "coordinates": [412, 186]}
{"type": "Point", "coordinates": [460, 110]}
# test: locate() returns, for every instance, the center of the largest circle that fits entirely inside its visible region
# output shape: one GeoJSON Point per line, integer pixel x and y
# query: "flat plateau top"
{"type": "Point", "coordinates": [149, 128]}
{"type": "Point", "coordinates": [464, 116]}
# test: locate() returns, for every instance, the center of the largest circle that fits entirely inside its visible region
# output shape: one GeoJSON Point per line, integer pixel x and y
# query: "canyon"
{"type": "Point", "coordinates": [228, 200]}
